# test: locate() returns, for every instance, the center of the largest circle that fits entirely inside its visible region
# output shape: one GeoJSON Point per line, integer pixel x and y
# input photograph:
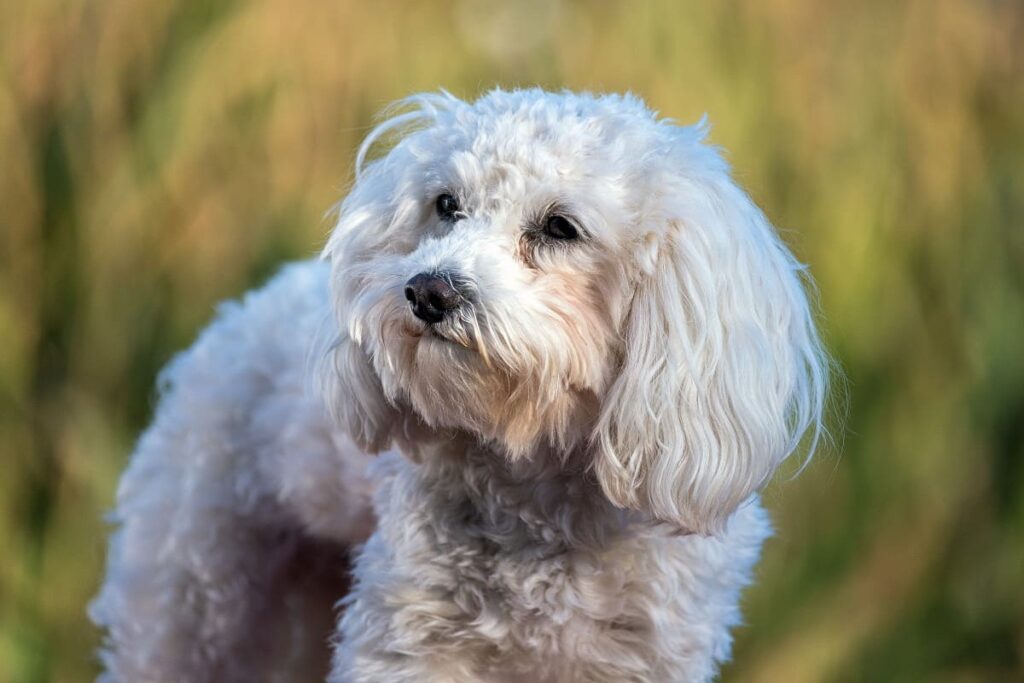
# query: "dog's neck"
{"type": "Point", "coordinates": [545, 498]}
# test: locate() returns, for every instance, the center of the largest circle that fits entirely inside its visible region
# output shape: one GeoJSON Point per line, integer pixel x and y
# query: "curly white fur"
{"type": "Point", "coordinates": [578, 446]}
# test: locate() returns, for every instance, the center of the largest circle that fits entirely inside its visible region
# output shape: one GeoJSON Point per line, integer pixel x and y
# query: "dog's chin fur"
{"type": "Point", "coordinates": [565, 486]}
{"type": "Point", "coordinates": [450, 385]}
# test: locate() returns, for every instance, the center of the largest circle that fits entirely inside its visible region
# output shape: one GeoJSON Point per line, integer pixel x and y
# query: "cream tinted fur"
{"type": "Point", "coordinates": [578, 447]}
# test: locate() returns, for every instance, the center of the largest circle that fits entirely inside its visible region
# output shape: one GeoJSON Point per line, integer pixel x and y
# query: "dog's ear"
{"type": "Point", "coordinates": [354, 396]}
{"type": "Point", "coordinates": [722, 372]}
{"type": "Point", "coordinates": [349, 382]}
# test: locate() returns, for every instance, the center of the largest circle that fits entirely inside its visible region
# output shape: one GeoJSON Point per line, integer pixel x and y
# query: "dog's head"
{"type": "Point", "coordinates": [568, 271]}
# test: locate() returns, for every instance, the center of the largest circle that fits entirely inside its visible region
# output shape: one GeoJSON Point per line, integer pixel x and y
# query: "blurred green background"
{"type": "Point", "coordinates": [157, 157]}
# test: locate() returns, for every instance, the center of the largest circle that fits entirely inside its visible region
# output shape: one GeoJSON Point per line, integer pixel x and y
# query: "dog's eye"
{"type": "Point", "coordinates": [560, 227]}
{"type": "Point", "coordinates": [447, 207]}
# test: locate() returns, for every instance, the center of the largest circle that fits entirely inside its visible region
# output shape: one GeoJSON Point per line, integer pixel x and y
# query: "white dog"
{"type": "Point", "coordinates": [588, 350]}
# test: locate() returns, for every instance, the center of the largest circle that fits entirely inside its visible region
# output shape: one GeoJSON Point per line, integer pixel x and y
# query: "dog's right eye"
{"type": "Point", "coordinates": [447, 207]}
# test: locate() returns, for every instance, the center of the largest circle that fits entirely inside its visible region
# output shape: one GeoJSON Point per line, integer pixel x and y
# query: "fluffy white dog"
{"type": "Point", "coordinates": [580, 349]}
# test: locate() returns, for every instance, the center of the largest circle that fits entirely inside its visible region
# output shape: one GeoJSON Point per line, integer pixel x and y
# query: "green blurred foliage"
{"type": "Point", "coordinates": [157, 157]}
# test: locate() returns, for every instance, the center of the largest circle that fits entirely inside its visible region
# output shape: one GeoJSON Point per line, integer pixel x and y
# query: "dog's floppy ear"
{"type": "Point", "coordinates": [349, 382]}
{"type": "Point", "coordinates": [722, 371]}
{"type": "Point", "coordinates": [354, 396]}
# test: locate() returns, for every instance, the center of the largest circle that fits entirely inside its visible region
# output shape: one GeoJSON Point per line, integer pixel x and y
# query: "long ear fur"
{"type": "Point", "coordinates": [348, 380]}
{"type": "Point", "coordinates": [722, 371]}
{"type": "Point", "coordinates": [354, 396]}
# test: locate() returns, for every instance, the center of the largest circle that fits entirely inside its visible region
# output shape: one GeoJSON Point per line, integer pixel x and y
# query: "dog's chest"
{"type": "Point", "coordinates": [533, 606]}
{"type": "Point", "coordinates": [536, 588]}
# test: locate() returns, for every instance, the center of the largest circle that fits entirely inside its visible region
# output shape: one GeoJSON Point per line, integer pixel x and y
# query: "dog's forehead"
{"type": "Point", "coordinates": [545, 137]}
{"type": "Point", "coordinates": [559, 127]}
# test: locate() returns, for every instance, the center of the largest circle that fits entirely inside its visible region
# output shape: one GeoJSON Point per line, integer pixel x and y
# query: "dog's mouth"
{"type": "Point", "coordinates": [462, 341]}
{"type": "Point", "coordinates": [436, 333]}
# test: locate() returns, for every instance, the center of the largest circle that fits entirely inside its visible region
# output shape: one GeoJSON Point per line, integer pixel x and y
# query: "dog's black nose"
{"type": "Point", "coordinates": [431, 295]}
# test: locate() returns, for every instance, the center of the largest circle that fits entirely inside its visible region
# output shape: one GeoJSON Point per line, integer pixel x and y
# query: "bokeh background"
{"type": "Point", "coordinates": [157, 157]}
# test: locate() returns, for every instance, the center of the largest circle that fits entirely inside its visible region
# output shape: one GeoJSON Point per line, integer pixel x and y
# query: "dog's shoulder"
{"type": "Point", "coordinates": [268, 335]}
{"type": "Point", "coordinates": [247, 377]}
{"type": "Point", "coordinates": [240, 411]}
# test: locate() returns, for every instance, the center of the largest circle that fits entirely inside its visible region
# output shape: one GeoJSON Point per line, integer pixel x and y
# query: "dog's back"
{"type": "Point", "coordinates": [239, 505]}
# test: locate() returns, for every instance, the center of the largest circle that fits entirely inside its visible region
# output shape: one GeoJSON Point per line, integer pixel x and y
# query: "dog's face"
{"type": "Point", "coordinates": [566, 271]}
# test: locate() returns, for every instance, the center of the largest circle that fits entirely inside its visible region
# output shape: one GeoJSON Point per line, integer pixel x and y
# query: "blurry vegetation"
{"type": "Point", "coordinates": [159, 156]}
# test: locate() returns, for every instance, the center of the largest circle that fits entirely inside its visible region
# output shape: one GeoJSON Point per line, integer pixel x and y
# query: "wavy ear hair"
{"type": "Point", "coordinates": [348, 379]}
{"type": "Point", "coordinates": [722, 372]}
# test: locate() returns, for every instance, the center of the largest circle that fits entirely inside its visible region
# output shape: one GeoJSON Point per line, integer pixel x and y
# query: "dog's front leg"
{"type": "Point", "coordinates": [187, 573]}
{"type": "Point", "coordinates": [370, 650]}
{"type": "Point", "coordinates": [400, 627]}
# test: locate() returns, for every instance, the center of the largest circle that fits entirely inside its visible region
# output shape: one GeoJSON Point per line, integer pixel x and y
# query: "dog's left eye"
{"type": "Point", "coordinates": [447, 207]}
{"type": "Point", "coordinates": [560, 227]}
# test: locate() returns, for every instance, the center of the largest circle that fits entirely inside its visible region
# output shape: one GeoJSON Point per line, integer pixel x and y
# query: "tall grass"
{"type": "Point", "coordinates": [156, 157]}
